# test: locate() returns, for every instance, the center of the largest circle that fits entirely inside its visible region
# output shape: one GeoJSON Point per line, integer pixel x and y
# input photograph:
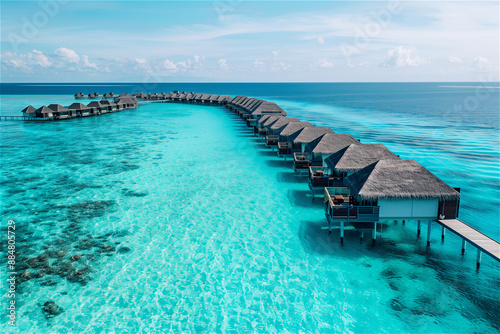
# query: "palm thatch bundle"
{"type": "Point", "coordinates": [398, 179]}
{"type": "Point", "coordinates": [357, 156]}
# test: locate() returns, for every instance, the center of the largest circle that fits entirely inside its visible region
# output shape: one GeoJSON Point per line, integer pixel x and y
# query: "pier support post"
{"type": "Point", "coordinates": [341, 233]}
{"type": "Point", "coordinates": [404, 222]}
{"type": "Point", "coordinates": [374, 233]}
{"type": "Point", "coordinates": [418, 229]}
{"type": "Point", "coordinates": [443, 230]}
{"type": "Point", "coordinates": [478, 260]}
{"type": "Point", "coordinates": [429, 227]}
{"type": "Point", "coordinates": [361, 238]}
{"type": "Point", "coordinates": [464, 243]}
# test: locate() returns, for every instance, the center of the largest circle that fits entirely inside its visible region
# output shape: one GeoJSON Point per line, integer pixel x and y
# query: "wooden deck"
{"type": "Point", "coordinates": [473, 236]}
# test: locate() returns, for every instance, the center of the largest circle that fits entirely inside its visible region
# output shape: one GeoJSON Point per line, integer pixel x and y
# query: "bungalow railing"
{"type": "Point", "coordinates": [301, 160]}
{"type": "Point", "coordinates": [251, 122]}
{"type": "Point", "coordinates": [339, 209]}
{"type": "Point", "coordinates": [284, 148]}
{"type": "Point", "coordinates": [318, 178]}
{"type": "Point", "coordinates": [272, 140]}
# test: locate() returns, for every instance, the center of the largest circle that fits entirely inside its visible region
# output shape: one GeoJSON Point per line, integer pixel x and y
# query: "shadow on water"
{"type": "Point", "coordinates": [278, 163]}
{"type": "Point", "coordinates": [303, 198]}
{"type": "Point", "coordinates": [420, 302]}
{"type": "Point", "coordinates": [290, 177]}
{"type": "Point", "coordinates": [266, 152]}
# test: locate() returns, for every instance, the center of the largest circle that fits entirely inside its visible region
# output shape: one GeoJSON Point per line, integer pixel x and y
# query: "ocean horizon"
{"type": "Point", "coordinates": [182, 221]}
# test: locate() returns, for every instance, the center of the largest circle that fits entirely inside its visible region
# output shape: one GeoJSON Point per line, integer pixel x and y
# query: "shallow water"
{"type": "Point", "coordinates": [186, 223]}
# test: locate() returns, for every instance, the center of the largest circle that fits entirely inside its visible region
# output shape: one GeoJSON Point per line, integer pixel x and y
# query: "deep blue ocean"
{"type": "Point", "coordinates": [182, 221]}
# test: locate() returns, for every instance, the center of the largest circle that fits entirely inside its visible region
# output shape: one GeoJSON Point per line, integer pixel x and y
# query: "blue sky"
{"type": "Point", "coordinates": [249, 41]}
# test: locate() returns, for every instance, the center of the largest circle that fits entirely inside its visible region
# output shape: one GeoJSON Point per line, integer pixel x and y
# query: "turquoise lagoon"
{"type": "Point", "coordinates": [185, 222]}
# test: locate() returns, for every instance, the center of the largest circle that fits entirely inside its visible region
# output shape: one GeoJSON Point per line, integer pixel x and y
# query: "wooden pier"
{"type": "Point", "coordinates": [483, 243]}
{"type": "Point", "coordinates": [21, 118]}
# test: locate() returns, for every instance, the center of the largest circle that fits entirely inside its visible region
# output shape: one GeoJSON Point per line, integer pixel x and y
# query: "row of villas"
{"type": "Point", "coordinates": [186, 97]}
{"type": "Point", "coordinates": [361, 184]}
{"type": "Point", "coordinates": [94, 108]}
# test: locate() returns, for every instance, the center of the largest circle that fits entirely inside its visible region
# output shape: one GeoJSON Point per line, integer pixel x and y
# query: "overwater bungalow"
{"type": "Point", "coordinates": [197, 97]}
{"type": "Point", "coordinates": [79, 110]}
{"type": "Point", "coordinates": [355, 157]}
{"type": "Point", "coordinates": [29, 111]}
{"type": "Point", "coordinates": [270, 139]}
{"type": "Point", "coordinates": [262, 122]}
{"type": "Point", "coordinates": [281, 123]}
{"type": "Point", "coordinates": [205, 99]}
{"type": "Point", "coordinates": [107, 95]}
{"type": "Point", "coordinates": [266, 108]}
{"type": "Point", "coordinates": [59, 111]}
{"type": "Point", "coordinates": [213, 99]}
{"type": "Point", "coordinates": [315, 154]}
{"type": "Point", "coordinates": [224, 99]}
{"type": "Point", "coordinates": [44, 112]}
{"type": "Point", "coordinates": [111, 107]}
{"type": "Point", "coordinates": [189, 97]}
{"type": "Point", "coordinates": [98, 107]}
{"type": "Point", "coordinates": [79, 96]}
{"type": "Point", "coordinates": [287, 135]}
{"type": "Point", "coordinates": [141, 96]}
{"type": "Point", "coordinates": [128, 102]}
{"type": "Point", "coordinates": [390, 190]}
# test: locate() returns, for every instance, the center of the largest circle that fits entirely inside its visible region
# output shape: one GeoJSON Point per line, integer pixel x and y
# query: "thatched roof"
{"type": "Point", "coordinates": [78, 106]}
{"type": "Point", "coordinates": [223, 98]}
{"type": "Point", "coordinates": [205, 96]}
{"type": "Point", "coordinates": [44, 110]}
{"type": "Point", "coordinates": [96, 104]}
{"type": "Point", "coordinates": [268, 108]}
{"type": "Point", "coordinates": [283, 121]}
{"type": "Point", "coordinates": [309, 134]}
{"type": "Point", "coordinates": [57, 107]}
{"type": "Point", "coordinates": [271, 120]}
{"type": "Point", "coordinates": [330, 143]}
{"type": "Point", "coordinates": [237, 99]}
{"type": "Point", "coordinates": [294, 127]}
{"type": "Point", "coordinates": [398, 179]}
{"type": "Point", "coordinates": [125, 100]}
{"type": "Point", "coordinates": [214, 97]}
{"type": "Point", "coordinates": [29, 110]}
{"type": "Point", "coordinates": [357, 156]}
{"type": "Point", "coordinates": [263, 119]}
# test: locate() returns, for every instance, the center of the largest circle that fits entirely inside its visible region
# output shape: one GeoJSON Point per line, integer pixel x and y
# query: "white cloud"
{"type": "Point", "coordinates": [68, 55]}
{"type": "Point", "coordinates": [275, 53]}
{"type": "Point", "coordinates": [39, 58]}
{"type": "Point", "coordinates": [455, 60]}
{"type": "Point", "coordinates": [482, 64]}
{"type": "Point", "coordinates": [323, 63]}
{"type": "Point", "coordinates": [26, 61]}
{"type": "Point", "coordinates": [320, 41]}
{"type": "Point", "coordinates": [222, 65]}
{"type": "Point", "coordinates": [169, 65]}
{"type": "Point", "coordinates": [401, 57]}
{"type": "Point", "coordinates": [87, 63]}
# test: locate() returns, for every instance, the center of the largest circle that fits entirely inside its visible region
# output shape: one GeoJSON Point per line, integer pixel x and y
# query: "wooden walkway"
{"type": "Point", "coordinates": [469, 234]}
{"type": "Point", "coordinates": [22, 118]}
